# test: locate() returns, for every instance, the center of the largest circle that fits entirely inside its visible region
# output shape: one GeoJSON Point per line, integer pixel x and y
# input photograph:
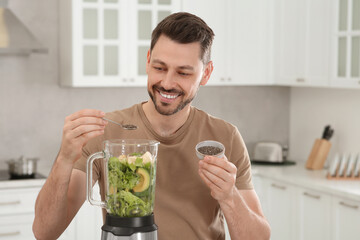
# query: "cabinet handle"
{"type": "Point", "coordinates": [311, 195]}
{"type": "Point", "coordinates": [7, 234]}
{"type": "Point", "coordinates": [349, 205]}
{"type": "Point", "coordinates": [278, 186]}
{"type": "Point", "coordinates": [222, 79]}
{"type": "Point", "coordinates": [300, 79]}
{"type": "Point", "coordinates": [229, 79]}
{"type": "Point", "coordinates": [10, 203]}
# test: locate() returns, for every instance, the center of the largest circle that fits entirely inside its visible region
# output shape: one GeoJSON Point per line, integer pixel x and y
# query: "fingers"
{"type": "Point", "coordinates": [208, 182]}
{"type": "Point", "coordinates": [219, 175]}
{"type": "Point", "coordinates": [221, 163]}
{"type": "Point", "coordinates": [85, 113]}
{"type": "Point", "coordinates": [84, 122]}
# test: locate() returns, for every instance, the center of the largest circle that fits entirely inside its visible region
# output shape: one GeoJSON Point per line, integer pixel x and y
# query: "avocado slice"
{"type": "Point", "coordinates": [144, 181]}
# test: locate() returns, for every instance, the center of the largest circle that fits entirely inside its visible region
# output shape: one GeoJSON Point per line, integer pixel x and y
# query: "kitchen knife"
{"type": "Point", "coordinates": [326, 131]}
{"type": "Point", "coordinates": [330, 134]}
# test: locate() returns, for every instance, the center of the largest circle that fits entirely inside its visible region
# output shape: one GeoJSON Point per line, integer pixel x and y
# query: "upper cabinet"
{"type": "Point", "coordinates": [346, 44]}
{"type": "Point", "coordinates": [241, 48]}
{"type": "Point", "coordinates": [215, 14]}
{"type": "Point", "coordinates": [301, 42]}
{"type": "Point", "coordinates": [257, 42]}
{"type": "Point", "coordinates": [105, 42]}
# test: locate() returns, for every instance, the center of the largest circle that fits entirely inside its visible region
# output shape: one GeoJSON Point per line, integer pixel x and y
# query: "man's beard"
{"type": "Point", "coordinates": [169, 112]}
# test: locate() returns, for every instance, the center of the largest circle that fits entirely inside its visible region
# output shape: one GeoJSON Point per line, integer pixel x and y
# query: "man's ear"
{"type": "Point", "coordinates": [148, 60]}
{"type": "Point", "coordinates": [207, 73]}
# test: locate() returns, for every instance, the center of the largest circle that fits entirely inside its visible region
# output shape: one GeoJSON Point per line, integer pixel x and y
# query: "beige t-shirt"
{"type": "Point", "coordinates": [183, 208]}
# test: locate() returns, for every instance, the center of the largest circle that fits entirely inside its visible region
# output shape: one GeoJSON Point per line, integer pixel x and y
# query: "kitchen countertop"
{"type": "Point", "coordinates": [23, 183]}
{"type": "Point", "coordinates": [7, 183]}
{"type": "Point", "coordinates": [298, 175]}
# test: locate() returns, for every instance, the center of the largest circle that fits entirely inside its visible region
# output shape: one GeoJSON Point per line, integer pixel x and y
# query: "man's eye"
{"type": "Point", "coordinates": [158, 68]}
{"type": "Point", "coordinates": [184, 74]}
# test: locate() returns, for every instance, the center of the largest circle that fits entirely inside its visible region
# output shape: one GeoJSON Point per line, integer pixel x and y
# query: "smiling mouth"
{"type": "Point", "coordinates": [168, 96]}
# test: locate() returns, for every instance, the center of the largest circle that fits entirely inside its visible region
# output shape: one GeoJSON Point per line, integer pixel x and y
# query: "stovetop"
{"type": "Point", "coordinates": [5, 176]}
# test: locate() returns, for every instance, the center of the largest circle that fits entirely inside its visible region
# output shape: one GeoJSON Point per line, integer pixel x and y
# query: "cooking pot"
{"type": "Point", "coordinates": [22, 167]}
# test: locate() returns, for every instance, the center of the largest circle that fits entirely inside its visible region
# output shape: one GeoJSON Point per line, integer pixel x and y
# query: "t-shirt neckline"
{"type": "Point", "coordinates": [177, 136]}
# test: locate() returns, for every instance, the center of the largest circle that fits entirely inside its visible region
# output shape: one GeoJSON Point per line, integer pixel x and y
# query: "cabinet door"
{"type": "Point", "coordinates": [280, 213]}
{"type": "Point", "coordinates": [16, 227]}
{"type": "Point", "coordinates": [314, 212]}
{"type": "Point", "coordinates": [215, 14]}
{"type": "Point", "coordinates": [104, 43]}
{"type": "Point", "coordinates": [250, 45]}
{"type": "Point", "coordinates": [142, 21]}
{"type": "Point", "coordinates": [346, 219]}
{"type": "Point", "coordinates": [346, 44]}
{"type": "Point", "coordinates": [259, 187]}
{"type": "Point", "coordinates": [302, 46]}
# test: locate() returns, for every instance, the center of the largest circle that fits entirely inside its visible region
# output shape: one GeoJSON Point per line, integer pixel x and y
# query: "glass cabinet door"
{"type": "Point", "coordinates": [348, 41]}
{"type": "Point", "coordinates": [148, 14]}
{"type": "Point", "coordinates": [110, 39]}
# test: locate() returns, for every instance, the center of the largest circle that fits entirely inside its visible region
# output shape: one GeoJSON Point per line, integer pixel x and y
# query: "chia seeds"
{"type": "Point", "coordinates": [130, 127]}
{"type": "Point", "coordinates": [209, 150]}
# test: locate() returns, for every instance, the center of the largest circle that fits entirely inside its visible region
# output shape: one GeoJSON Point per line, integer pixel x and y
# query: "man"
{"type": "Point", "coordinates": [191, 195]}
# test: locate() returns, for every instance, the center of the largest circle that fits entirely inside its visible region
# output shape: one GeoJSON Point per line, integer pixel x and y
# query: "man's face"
{"type": "Point", "coordinates": [175, 72]}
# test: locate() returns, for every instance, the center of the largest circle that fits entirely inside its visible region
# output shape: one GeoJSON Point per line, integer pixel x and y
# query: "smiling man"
{"type": "Point", "coordinates": [192, 197]}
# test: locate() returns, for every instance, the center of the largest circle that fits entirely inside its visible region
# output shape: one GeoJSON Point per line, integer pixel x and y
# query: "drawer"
{"type": "Point", "coordinates": [21, 200]}
{"type": "Point", "coordinates": [17, 227]}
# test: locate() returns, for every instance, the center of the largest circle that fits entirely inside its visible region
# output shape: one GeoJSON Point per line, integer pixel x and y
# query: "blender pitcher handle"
{"type": "Point", "coordinates": [89, 178]}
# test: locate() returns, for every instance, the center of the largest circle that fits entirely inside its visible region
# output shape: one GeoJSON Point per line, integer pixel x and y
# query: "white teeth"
{"type": "Point", "coordinates": [168, 96]}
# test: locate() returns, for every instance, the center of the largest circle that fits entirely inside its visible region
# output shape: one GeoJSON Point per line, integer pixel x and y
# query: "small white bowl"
{"type": "Point", "coordinates": [211, 144]}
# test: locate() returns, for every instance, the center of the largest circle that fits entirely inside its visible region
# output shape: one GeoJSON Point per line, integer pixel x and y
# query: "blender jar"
{"type": "Point", "coordinates": [130, 174]}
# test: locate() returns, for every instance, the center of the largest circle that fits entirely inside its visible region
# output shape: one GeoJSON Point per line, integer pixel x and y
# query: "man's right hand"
{"type": "Point", "coordinates": [78, 129]}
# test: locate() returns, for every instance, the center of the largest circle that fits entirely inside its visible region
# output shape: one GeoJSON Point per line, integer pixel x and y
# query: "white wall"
{"type": "Point", "coordinates": [313, 108]}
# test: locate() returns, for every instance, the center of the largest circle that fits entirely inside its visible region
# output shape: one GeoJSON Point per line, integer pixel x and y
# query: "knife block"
{"type": "Point", "coordinates": [318, 154]}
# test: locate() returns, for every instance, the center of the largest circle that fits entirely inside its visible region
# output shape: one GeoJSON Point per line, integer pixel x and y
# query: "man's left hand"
{"type": "Point", "coordinates": [219, 175]}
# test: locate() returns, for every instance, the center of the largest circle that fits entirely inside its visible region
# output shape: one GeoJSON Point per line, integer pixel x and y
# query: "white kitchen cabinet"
{"type": "Point", "coordinates": [346, 219]}
{"type": "Point", "coordinates": [104, 43]}
{"type": "Point", "coordinates": [215, 14]}
{"type": "Point", "coordinates": [250, 50]}
{"type": "Point", "coordinates": [16, 227]}
{"type": "Point", "coordinates": [346, 44]}
{"type": "Point", "coordinates": [17, 213]}
{"type": "Point", "coordinates": [280, 205]}
{"type": "Point", "coordinates": [313, 221]}
{"type": "Point", "coordinates": [241, 49]}
{"type": "Point", "coordinates": [301, 42]}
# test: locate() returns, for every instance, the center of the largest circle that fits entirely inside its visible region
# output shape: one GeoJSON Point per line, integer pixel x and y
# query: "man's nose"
{"type": "Point", "coordinates": [169, 80]}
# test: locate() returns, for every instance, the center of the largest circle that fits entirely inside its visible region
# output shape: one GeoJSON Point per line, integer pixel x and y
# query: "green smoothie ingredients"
{"type": "Point", "coordinates": [131, 185]}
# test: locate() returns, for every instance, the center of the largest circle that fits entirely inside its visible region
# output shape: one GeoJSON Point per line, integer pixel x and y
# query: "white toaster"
{"type": "Point", "coordinates": [268, 152]}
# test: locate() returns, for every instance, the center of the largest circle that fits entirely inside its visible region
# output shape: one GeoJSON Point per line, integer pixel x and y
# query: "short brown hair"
{"type": "Point", "coordinates": [183, 27]}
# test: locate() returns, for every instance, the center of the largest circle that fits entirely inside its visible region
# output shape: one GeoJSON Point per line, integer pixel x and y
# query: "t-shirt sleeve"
{"type": "Point", "coordinates": [240, 157]}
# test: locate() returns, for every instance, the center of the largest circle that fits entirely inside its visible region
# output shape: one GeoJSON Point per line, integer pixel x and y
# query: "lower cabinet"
{"type": "Point", "coordinates": [313, 217]}
{"type": "Point", "coordinates": [346, 219]}
{"type": "Point", "coordinates": [16, 227]}
{"type": "Point", "coordinates": [17, 216]}
{"type": "Point", "coordinates": [17, 213]}
{"type": "Point", "coordinates": [278, 199]}
{"type": "Point", "coordinates": [300, 213]}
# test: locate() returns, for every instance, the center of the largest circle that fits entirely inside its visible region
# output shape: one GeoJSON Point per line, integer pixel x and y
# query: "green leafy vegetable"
{"type": "Point", "coordinates": [123, 178]}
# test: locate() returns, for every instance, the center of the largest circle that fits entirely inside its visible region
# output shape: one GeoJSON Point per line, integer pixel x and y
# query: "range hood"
{"type": "Point", "coordinates": [15, 38]}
